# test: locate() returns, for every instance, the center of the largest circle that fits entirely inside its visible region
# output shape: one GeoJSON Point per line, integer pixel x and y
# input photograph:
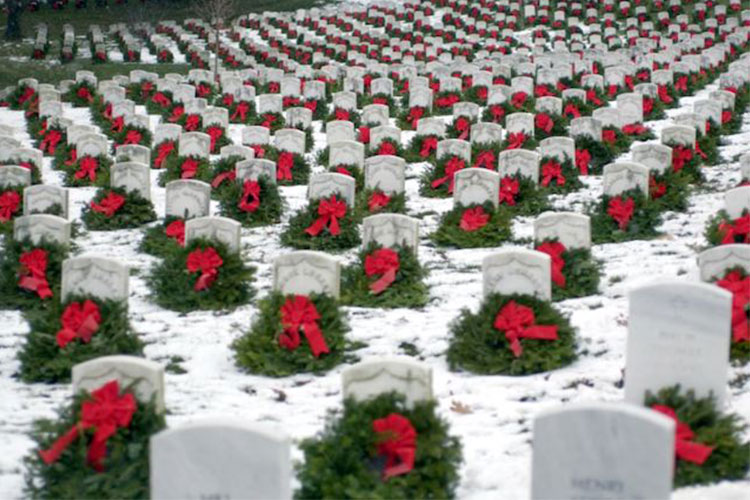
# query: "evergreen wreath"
{"type": "Point", "coordinates": [477, 346]}
{"type": "Point", "coordinates": [495, 232]}
{"type": "Point", "coordinates": [737, 281]}
{"type": "Point", "coordinates": [375, 201]}
{"type": "Point", "coordinates": [560, 177]}
{"type": "Point", "coordinates": [173, 285]}
{"type": "Point", "coordinates": [528, 198]}
{"type": "Point", "coordinates": [12, 295]}
{"type": "Point", "coordinates": [295, 234]}
{"type": "Point", "coordinates": [223, 175]}
{"type": "Point", "coordinates": [266, 213]}
{"type": "Point", "coordinates": [36, 170]}
{"type": "Point", "coordinates": [125, 471]}
{"type": "Point", "coordinates": [640, 226]}
{"type": "Point", "coordinates": [687, 161]}
{"type": "Point", "coordinates": [157, 242]}
{"type": "Point", "coordinates": [387, 146]}
{"type": "Point", "coordinates": [260, 351]}
{"type": "Point", "coordinates": [342, 461]}
{"type": "Point", "coordinates": [136, 211]}
{"type": "Point", "coordinates": [296, 163]}
{"type": "Point", "coordinates": [42, 358]}
{"type": "Point", "coordinates": [670, 190]}
{"type": "Point", "coordinates": [272, 121]}
{"type": "Point", "coordinates": [422, 148]}
{"type": "Point", "coordinates": [12, 199]}
{"type": "Point", "coordinates": [77, 175]}
{"type": "Point", "coordinates": [581, 272]}
{"type": "Point", "coordinates": [174, 170]}
{"type": "Point", "coordinates": [600, 154]}
{"type": "Point", "coordinates": [437, 180]}
{"type": "Point", "coordinates": [720, 229]}
{"type": "Point", "coordinates": [407, 289]}
{"type": "Point", "coordinates": [730, 456]}
{"type": "Point", "coordinates": [128, 136]}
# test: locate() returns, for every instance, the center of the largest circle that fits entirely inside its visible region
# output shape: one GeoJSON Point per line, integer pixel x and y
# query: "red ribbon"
{"type": "Point", "coordinates": [447, 101]}
{"type": "Point", "coordinates": [9, 202]}
{"type": "Point", "coordinates": [215, 133]}
{"type": "Point", "coordinates": [609, 136]}
{"type": "Point", "coordinates": [165, 149]}
{"type": "Point", "coordinates": [28, 93]}
{"type": "Point", "coordinates": [740, 289]}
{"type": "Point", "coordinates": [517, 322]}
{"type": "Point", "coordinates": [680, 156]}
{"type": "Point", "coordinates": [161, 100]}
{"type": "Point", "coordinates": [378, 200]}
{"type": "Point", "coordinates": [364, 135]}
{"type": "Point", "coordinates": [109, 205]}
{"type": "Point", "coordinates": [223, 176]}
{"type": "Point", "coordinates": [298, 312]}
{"type": "Point", "coordinates": [176, 231]}
{"type": "Point", "coordinates": [648, 106]}
{"type": "Point", "coordinates": [397, 442]}
{"type": "Point", "coordinates": [329, 212]}
{"type": "Point", "coordinates": [739, 227]}
{"type": "Point", "coordinates": [684, 448]}
{"type": "Point", "coordinates": [132, 137]}
{"type": "Point", "coordinates": [497, 112]}
{"type": "Point", "coordinates": [414, 115]}
{"type": "Point", "coordinates": [188, 168]}
{"type": "Point", "coordinates": [250, 189]}
{"type": "Point", "coordinates": [50, 141]}
{"type": "Point", "coordinates": [681, 84]}
{"type": "Point", "coordinates": [621, 211]}
{"type": "Point", "coordinates": [341, 114]}
{"type": "Point", "coordinates": [542, 91]}
{"type": "Point", "coordinates": [473, 219]}
{"type": "Point", "coordinates": [486, 159]}
{"type": "Point", "coordinates": [117, 125]}
{"type": "Point", "coordinates": [268, 120]}
{"type": "Point", "coordinates": [634, 129]}
{"type": "Point", "coordinates": [84, 93]}
{"type": "Point", "coordinates": [593, 98]}
{"type": "Point", "coordinates": [656, 189]}
{"type": "Point", "coordinates": [192, 122]}
{"type": "Point", "coordinates": [311, 105]}
{"type": "Point", "coordinates": [583, 158]}
{"type": "Point", "coordinates": [386, 148]}
{"type": "Point", "coordinates": [509, 188]}
{"type": "Point", "coordinates": [429, 144]}
{"type": "Point", "coordinates": [383, 262]}
{"type": "Point", "coordinates": [552, 171]}
{"type": "Point", "coordinates": [240, 111]}
{"type": "Point", "coordinates": [543, 122]}
{"type": "Point", "coordinates": [79, 321]}
{"type": "Point", "coordinates": [177, 113]}
{"type": "Point", "coordinates": [453, 165]}
{"type": "Point", "coordinates": [555, 250]}
{"type": "Point", "coordinates": [518, 99]}
{"type": "Point", "coordinates": [284, 166]}
{"type": "Point", "coordinates": [105, 413]}
{"type": "Point", "coordinates": [699, 151]}
{"type": "Point", "coordinates": [33, 273]}
{"type": "Point", "coordinates": [463, 127]}
{"type": "Point", "coordinates": [726, 116]}
{"type": "Point", "coordinates": [663, 94]}
{"type": "Point", "coordinates": [203, 90]}
{"type": "Point", "coordinates": [259, 151]}
{"type": "Point", "coordinates": [207, 262]}
{"type": "Point", "coordinates": [516, 140]}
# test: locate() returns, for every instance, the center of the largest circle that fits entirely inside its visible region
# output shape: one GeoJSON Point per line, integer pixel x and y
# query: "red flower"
{"type": "Point", "coordinates": [555, 250]}
{"type": "Point", "coordinates": [543, 122]}
{"type": "Point", "coordinates": [299, 313]}
{"type": "Point", "coordinates": [453, 165]}
{"type": "Point", "coordinates": [684, 448]}
{"type": "Point", "coordinates": [383, 262]}
{"type": "Point", "coordinates": [552, 171]}
{"type": "Point", "coordinates": [621, 211]}
{"type": "Point", "coordinates": [207, 262]}
{"type": "Point", "coordinates": [250, 189]}
{"type": "Point", "coordinates": [33, 273]}
{"type": "Point", "coordinates": [509, 188]}
{"type": "Point", "coordinates": [329, 212]}
{"type": "Point", "coordinates": [176, 231]}
{"type": "Point", "coordinates": [398, 442]}
{"type": "Point", "coordinates": [473, 219]}
{"type": "Point", "coordinates": [518, 322]}
{"type": "Point", "coordinates": [9, 202]}
{"type": "Point", "coordinates": [105, 413]}
{"type": "Point", "coordinates": [378, 201]}
{"type": "Point", "coordinates": [79, 320]}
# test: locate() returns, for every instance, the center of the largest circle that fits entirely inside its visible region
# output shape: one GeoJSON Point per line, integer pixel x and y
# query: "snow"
{"type": "Point", "coordinates": [496, 432]}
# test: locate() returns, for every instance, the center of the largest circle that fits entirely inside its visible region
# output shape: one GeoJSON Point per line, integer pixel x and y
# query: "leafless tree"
{"type": "Point", "coordinates": [215, 13]}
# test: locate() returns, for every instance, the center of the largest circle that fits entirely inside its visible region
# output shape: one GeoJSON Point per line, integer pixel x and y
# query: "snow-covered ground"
{"type": "Point", "coordinates": [495, 431]}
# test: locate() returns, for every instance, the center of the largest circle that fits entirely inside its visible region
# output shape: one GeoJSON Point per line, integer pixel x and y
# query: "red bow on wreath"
{"type": "Point", "coordinates": [176, 231]}
{"type": "Point", "coordinates": [555, 250]}
{"type": "Point", "coordinates": [364, 135]}
{"type": "Point", "coordinates": [397, 442]}
{"type": "Point", "coordinates": [51, 139]}
{"type": "Point", "coordinates": [188, 168]}
{"type": "Point", "coordinates": [284, 166]}
{"type": "Point", "coordinates": [268, 120]}
{"type": "Point", "coordinates": [473, 219]}
{"type": "Point", "coordinates": [341, 114]}
{"type": "Point", "coordinates": [329, 212]}
{"type": "Point", "coordinates": [497, 112]}
{"type": "Point", "coordinates": [227, 175]}
{"type": "Point", "coordinates": [84, 93]}
{"type": "Point", "coordinates": [552, 171]}
{"type": "Point", "coordinates": [544, 122]}
{"type": "Point", "coordinates": [517, 322]}
{"type": "Point", "coordinates": [165, 149]}
{"type": "Point", "coordinates": [109, 205]}
{"type": "Point", "coordinates": [117, 125]}
{"type": "Point", "coordinates": [87, 168]}
{"type": "Point", "coordinates": [378, 201]}
{"type": "Point", "coordinates": [414, 115]}
{"type": "Point", "coordinates": [453, 165]}
{"type": "Point", "coordinates": [684, 448]}
{"type": "Point", "coordinates": [634, 129]}
{"type": "Point", "coordinates": [215, 133]}
{"type": "Point", "coordinates": [192, 122]}
{"type": "Point", "coordinates": [429, 144]}
{"type": "Point", "coordinates": [738, 228]}
{"type": "Point", "coordinates": [33, 274]}
{"type": "Point", "coordinates": [663, 94]}
{"type": "Point", "coordinates": [105, 413]}
{"type": "Point", "coordinates": [621, 211]}
{"type": "Point", "coordinates": [518, 99]}
{"type": "Point", "coordinates": [509, 188]}
{"type": "Point", "coordinates": [485, 159]}
{"type": "Point", "coordinates": [207, 262]}
{"type": "Point", "coordinates": [583, 159]}
{"type": "Point", "coordinates": [250, 189]}
{"type": "Point", "coordinates": [241, 111]}
{"type": "Point", "coordinates": [571, 110]}
{"type": "Point", "coordinates": [9, 202]}
{"type": "Point", "coordinates": [133, 137]}
{"type": "Point", "coordinates": [386, 148]}
{"type": "Point", "coordinates": [609, 136]}
{"type": "Point", "coordinates": [463, 127]}
{"type": "Point", "coordinates": [383, 262]}
{"type": "Point", "coordinates": [516, 140]}
{"type": "Point", "coordinates": [298, 312]}
{"type": "Point", "coordinates": [681, 155]}
{"type": "Point", "coordinates": [740, 289]}
{"type": "Point", "coordinates": [79, 321]}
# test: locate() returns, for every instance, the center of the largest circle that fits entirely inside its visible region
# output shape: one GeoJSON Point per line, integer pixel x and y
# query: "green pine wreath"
{"type": "Point", "coordinates": [642, 226]}
{"type": "Point", "coordinates": [172, 285]}
{"type": "Point", "coordinates": [582, 273]}
{"type": "Point", "coordinates": [222, 166]}
{"type": "Point", "coordinates": [172, 170]}
{"type": "Point", "coordinates": [477, 346]}
{"type": "Point", "coordinates": [126, 465]}
{"type": "Point", "coordinates": [36, 170]}
{"type": "Point", "coordinates": [674, 188]}
{"type": "Point", "coordinates": [730, 458]}
{"type": "Point", "coordinates": [6, 227]}
{"type": "Point", "coordinates": [295, 236]}
{"type": "Point", "coordinates": [14, 297]}
{"type": "Point", "coordinates": [739, 351]}
{"type": "Point", "coordinates": [155, 240]}
{"type": "Point", "coordinates": [136, 211]}
{"type": "Point", "coordinates": [412, 152]}
{"type": "Point", "coordinates": [408, 290]}
{"type": "Point", "coordinates": [42, 359]}
{"type": "Point", "coordinates": [102, 173]}
{"type": "Point", "coordinates": [342, 461]}
{"type": "Point", "coordinates": [270, 209]}
{"type": "Point", "coordinates": [495, 233]}
{"type": "Point", "coordinates": [571, 175]}
{"type": "Point", "coordinates": [396, 204]}
{"type": "Point", "coordinates": [531, 198]}
{"type": "Point", "coordinates": [258, 351]}
{"type": "Point", "coordinates": [714, 235]}
{"type": "Point", "coordinates": [600, 154]}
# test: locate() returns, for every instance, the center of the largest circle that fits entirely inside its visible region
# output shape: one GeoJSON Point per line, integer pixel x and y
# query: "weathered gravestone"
{"type": "Point", "coordinates": [386, 173]}
{"type": "Point", "coordinates": [42, 227]}
{"type": "Point", "coordinates": [305, 272]}
{"type": "Point", "coordinates": [188, 198]}
{"type": "Point", "coordinates": [370, 378]}
{"type": "Point", "coordinates": [327, 184]}
{"type": "Point", "coordinates": [571, 229]}
{"type": "Point", "coordinates": [476, 186]}
{"type": "Point", "coordinates": [390, 230]}
{"type": "Point", "coordinates": [133, 177]}
{"type": "Point", "coordinates": [105, 279]}
{"type": "Point", "coordinates": [714, 262]}
{"type": "Point", "coordinates": [517, 270]}
{"type": "Point", "coordinates": [220, 229]}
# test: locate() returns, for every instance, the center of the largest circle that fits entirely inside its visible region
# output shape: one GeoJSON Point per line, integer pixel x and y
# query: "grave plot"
{"type": "Point", "coordinates": [445, 249]}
